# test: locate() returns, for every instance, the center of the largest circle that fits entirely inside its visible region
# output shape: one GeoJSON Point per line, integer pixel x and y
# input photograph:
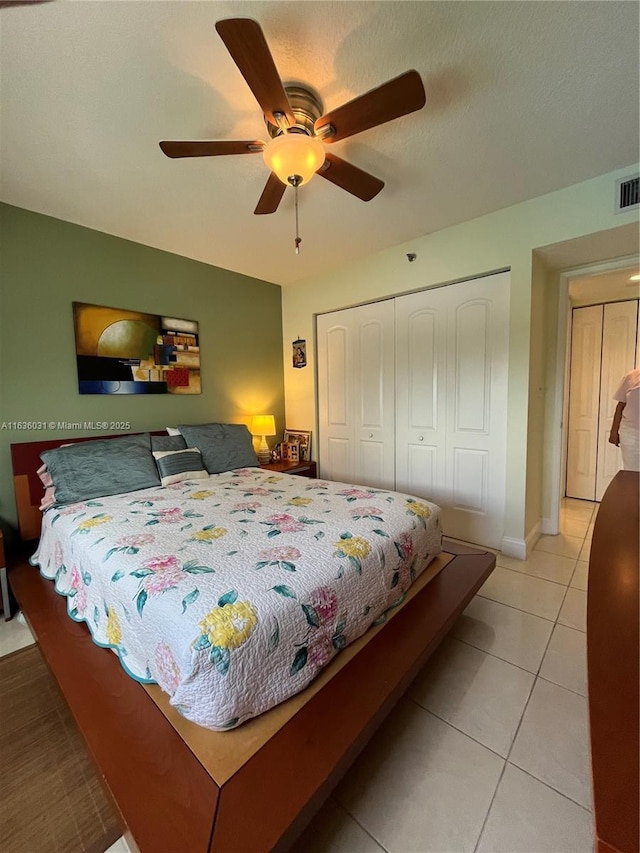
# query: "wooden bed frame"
{"type": "Point", "coordinates": [180, 787]}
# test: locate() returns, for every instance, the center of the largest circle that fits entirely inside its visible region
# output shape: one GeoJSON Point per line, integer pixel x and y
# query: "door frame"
{"type": "Point", "coordinates": [560, 406]}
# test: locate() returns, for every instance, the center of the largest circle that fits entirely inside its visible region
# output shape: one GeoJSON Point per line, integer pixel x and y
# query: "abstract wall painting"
{"type": "Point", "coordinates": [128, 352]}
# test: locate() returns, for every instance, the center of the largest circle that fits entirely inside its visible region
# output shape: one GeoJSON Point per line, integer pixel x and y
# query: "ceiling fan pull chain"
{"type": "Point", "coordinates": [298, 239]}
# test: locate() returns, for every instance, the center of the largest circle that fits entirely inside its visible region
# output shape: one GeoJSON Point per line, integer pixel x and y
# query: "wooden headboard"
{"type": "Point", "coordinates": [25, 461]}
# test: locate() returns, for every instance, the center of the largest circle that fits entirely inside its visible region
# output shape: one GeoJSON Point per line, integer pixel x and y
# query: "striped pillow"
{"type": "Point", "coordinates": [176, 466]}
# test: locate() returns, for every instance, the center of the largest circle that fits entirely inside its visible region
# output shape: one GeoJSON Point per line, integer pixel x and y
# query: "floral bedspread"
{"type": "Point", "coordinates": [232, 593]}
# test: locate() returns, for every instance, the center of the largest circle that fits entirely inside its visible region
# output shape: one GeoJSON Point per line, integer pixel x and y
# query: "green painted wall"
{"type": "Point", "coordinates": [46, 264]}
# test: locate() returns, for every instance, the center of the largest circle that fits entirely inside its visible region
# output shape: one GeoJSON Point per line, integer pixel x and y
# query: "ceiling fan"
{"type": "Point", "coordinates": [296, 124]}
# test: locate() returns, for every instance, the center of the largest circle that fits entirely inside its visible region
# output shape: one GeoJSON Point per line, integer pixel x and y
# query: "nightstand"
{"type": "Point", "coordinates": [4, 586]}
{"type": "Point", "coordinates": [300, 469]}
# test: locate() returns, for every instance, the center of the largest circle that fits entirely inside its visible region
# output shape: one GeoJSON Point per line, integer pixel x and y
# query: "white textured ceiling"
{"type": "Point", "coordinates": [522, 98]}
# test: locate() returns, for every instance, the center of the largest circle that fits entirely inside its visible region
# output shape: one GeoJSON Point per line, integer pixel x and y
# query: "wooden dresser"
{"type": "Point", "coordinates": [612, 660]}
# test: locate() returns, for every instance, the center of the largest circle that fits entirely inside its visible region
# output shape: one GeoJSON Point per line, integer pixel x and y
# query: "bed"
{"type": "Point", "coordinates": [145, 745]}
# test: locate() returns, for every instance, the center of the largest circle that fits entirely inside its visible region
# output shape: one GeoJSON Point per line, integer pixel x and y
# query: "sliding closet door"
{"type": "Point", "coordinates": [451, 378]}
{"type": "Point", "coordinates": [421, 422]}
{"type": "Point", "coordinates": [356, 395]}
{"type": "Point", "coordinates": [374, 397]}
{"type": "Point", "coordinates": [619, 334]}
{"type": "Point", "coordinates": [335, 381]}
{"type": "Point", "coordinates": [584, 402]}
{"type": "Point", "coordinates": [477, 373]}
{"type": "Point", "coordinates": [604, 343]}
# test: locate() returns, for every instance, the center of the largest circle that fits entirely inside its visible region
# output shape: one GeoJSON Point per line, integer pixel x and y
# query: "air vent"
{"type": "Point", "coordinates": [627, 194]}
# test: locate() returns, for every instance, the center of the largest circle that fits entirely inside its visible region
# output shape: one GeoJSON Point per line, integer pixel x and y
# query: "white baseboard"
{"type": "Point", "coordinates": [549, 526]}
{"type": "Point", "coordinates": [520, 548]}
{"type": "Point", "coordinates": [514, 548]}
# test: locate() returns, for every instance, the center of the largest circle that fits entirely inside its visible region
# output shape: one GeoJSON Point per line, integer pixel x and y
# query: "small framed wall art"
{"type": "Point", "coordinates": [299, 353]}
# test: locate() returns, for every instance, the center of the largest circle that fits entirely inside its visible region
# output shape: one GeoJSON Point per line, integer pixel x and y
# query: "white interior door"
{"type": "Point", "coordinates": [335, 379]}
{"type": "Point", "coordinates": [374, 394]}
{"type": "Point", "coordinates": [451, 380]}
{"type": "Point", "coordinates": [356, 395]}
{"type": "Point", "coordinates": [421, 423]}
{"type": "Point", "coordinates": [477, 380]}
{"type": "Point", "coordinates": [584, 401]}
{"type": "Point", "coordinates": [619, 335]}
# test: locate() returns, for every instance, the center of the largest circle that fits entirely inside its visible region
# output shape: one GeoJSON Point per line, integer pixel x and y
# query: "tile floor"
{"type": "Point", "coordinates": [489, 750]}
{"type": "Point", "coordinates": [14, 635]}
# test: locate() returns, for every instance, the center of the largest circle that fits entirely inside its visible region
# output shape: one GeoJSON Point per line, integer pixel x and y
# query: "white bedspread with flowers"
{"type": "Point", "coordinates": [233, 593]}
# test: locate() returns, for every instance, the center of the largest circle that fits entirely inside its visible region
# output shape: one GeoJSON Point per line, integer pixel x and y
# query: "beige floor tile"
{"type": "Point", "coordinates": [572, 526]}
{"type": "Point", "coordinates": [579, 503]}
{"type": "Point", "coordinates": [421, 786]}
{"type": "Point", "coordinates": [540, 564]}
{"type": "Point", "coordinates": [14, 635]}
{"type": "Point", "coordinates": [585, 552]}
{"type": "Point", "coordinates": [120, 846]}
{"type": "Point", "coordinates": [574, 610]}
{"type": "Point", "coordinates": [575, 507]}
{"type": "Point", "coordinates": [589, 533]}
{"type": "Point", "coordinates": [565, 661]}
{"type": "Point", "coordinates": [517, 637]}
{"type": "Point", "coordinates": [580, 575]}
{"type": "Point", "coordinates": [477, 693]}
{"type": "Point", "coordinates": [565, 546]}
{"type": "Point", "coordinates": [333, 830]}
{"type": "Point", "coordinates": [528, 816]}
{"type": "Point", "coordinates": [568, 515]}
{"type": "Point", "coordinates": [534, 595]}
{"type": "Point", "coordinates": [553, 741]}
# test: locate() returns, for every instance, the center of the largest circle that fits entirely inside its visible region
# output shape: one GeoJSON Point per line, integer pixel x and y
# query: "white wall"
{"type": "Point", "coordinates": [500, 240]}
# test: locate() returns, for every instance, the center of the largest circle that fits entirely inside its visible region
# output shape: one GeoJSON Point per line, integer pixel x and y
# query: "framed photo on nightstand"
{"type": "Point", "coordinates": [290, 451]}
{"type": "Point", "coordinates": [301, 437]}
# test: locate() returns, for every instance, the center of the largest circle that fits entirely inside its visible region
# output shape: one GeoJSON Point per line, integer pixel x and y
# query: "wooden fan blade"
{"type": "Point", "coordinates": [249, 50]}
{"type": "Point", "coordinates": [348, 177]}
{"type": "Point", "coordinates": [21, 2]}
{"type": "Point", "coordinates": [271, 195]}
{"type": "Point", "coordinates": [210, 149]}
{"type": "Point", "coordinates": [397, 97]}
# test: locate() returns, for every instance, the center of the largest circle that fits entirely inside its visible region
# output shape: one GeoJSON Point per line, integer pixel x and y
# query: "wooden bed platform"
{"type": "Point", "coordinates": [180, 787]}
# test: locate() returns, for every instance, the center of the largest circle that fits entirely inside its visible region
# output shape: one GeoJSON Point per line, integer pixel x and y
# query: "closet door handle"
{"type": "Point", "coordinates": [420, 438]}
{"type": "Point", "coordinates": [370, 435]}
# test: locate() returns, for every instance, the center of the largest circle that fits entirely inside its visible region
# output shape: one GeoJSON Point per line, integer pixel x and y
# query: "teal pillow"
{"type": "Point", "coordinates": [167, 442]}
{"type": "Point", "coordinates": [223, 446]}
{"type": "Point", "coordinates": [95, 469]}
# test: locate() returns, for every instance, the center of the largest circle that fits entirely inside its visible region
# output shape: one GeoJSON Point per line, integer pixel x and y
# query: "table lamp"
{"type": "Point", "coordinates": [263, 425]}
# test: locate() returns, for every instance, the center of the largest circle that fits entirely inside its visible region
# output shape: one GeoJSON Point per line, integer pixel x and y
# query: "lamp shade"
{"type": "Point", "coordinates": [294, 154]}
{"type": "Point", "coordinates": [263, 425]}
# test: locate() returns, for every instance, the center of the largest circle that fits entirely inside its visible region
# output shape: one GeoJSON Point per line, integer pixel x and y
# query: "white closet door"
{"type": "Point", "coordinates": [335, 380]}
{"type": "Point", "coordinates": [619, 334]}
{"type": "Point", "coordinates": [421, 424]}
{"type": "Point", "coordinates": [477, 381]}
{"type": "Point", "coordinates": [356, 395]}
{"type": "Point", "coordinates": [584, 400]}
{"type": "Point", "coordinates": [374, 394]}
{"type": "Point", "coordinates": [451, 379]}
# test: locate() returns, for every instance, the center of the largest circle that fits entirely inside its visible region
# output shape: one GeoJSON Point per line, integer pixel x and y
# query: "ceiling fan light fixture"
{"type": "Point", "coordinates": [291, 154]}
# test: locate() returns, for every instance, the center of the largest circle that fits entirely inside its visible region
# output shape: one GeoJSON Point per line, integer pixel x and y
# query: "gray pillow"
{"type": "Point", "coordinates": [176, 466]}
{"type": "Point", "coordinates": [223, 446]}
{"type": "Point", "coordinates": [168, 442]}
{"type": "Point", "coordinates": [94, 469]}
